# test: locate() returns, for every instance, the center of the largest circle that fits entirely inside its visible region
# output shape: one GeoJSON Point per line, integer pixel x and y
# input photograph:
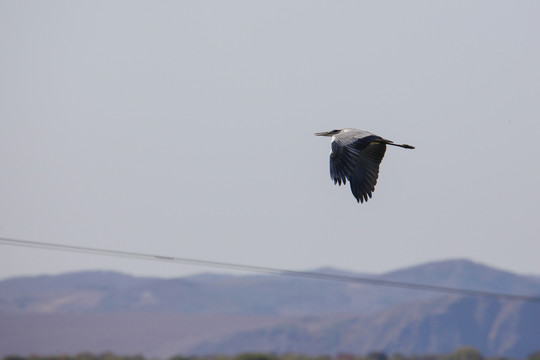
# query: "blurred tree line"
{"type": "Point", "coordinates": [466, 353]}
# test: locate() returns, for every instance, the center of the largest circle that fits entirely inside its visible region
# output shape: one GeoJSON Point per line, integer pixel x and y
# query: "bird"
{"type": "Point", "coordinates": [356, 156]}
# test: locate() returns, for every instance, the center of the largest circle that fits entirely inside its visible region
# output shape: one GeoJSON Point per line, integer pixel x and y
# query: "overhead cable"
{"type": "Point", "coordinates": [268, 270]}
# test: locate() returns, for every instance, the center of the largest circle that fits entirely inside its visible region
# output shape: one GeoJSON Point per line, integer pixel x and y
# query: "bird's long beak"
{"type": "Point", "coordinates": [325, 133]}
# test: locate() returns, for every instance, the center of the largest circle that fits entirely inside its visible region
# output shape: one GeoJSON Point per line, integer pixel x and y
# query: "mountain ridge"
{"type": "Point", "coordinates": [236, 313]}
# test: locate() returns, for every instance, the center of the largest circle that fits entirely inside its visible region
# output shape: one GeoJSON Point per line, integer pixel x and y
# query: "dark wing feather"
{"type": "Point", "coordinates": [357, 160]}
{"type": "Point", "coordinates": [344, 156]}
{"type": "Point", "coordinates": [364, 177]}
{"type": "Point", "coordinates": [342, 162]}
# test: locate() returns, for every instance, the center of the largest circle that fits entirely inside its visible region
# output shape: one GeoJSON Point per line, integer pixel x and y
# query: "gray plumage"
{"type": "Point", "coordinates": [356, 156]}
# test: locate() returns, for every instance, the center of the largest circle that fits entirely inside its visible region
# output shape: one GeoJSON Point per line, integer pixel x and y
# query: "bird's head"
{"type": "Point", "coordinates": [329, 133]}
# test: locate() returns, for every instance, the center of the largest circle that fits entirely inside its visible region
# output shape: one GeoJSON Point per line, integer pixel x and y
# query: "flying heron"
{"type": "Point", "coordinates": [356, 156]}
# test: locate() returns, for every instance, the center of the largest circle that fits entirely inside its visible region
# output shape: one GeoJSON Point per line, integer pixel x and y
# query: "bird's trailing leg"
{"type": "Point", "coordinates": [400, 145]}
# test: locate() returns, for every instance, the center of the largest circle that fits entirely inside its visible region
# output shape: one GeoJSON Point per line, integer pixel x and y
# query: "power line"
{"type": "Point", "coordinates": [267, 270]}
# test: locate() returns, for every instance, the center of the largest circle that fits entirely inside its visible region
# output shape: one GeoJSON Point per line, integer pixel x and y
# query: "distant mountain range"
{"type": "Point", "coordinates": [206, 314]}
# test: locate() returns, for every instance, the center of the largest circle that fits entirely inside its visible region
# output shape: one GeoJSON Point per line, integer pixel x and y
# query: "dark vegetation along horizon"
{"type": "Point", "coordinates": [464, 353]}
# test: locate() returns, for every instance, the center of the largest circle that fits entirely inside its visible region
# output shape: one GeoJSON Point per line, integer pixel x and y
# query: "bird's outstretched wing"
{"type": "Point", "coordinates": [357, 160]}
{"type": "Point", "coordinates": [364, 177]}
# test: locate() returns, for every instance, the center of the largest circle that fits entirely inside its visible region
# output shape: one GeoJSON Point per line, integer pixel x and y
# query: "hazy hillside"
{"type": "Point", "coordinates": [498, 328]}
{"type": "Point", "coordinates": [249, 295]}
{"type": "Point", "coordinates": [101, 311]}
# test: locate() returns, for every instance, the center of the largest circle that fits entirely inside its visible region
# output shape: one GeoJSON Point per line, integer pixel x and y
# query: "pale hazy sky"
{"type": "Point", "coordinates": [185, 128]}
